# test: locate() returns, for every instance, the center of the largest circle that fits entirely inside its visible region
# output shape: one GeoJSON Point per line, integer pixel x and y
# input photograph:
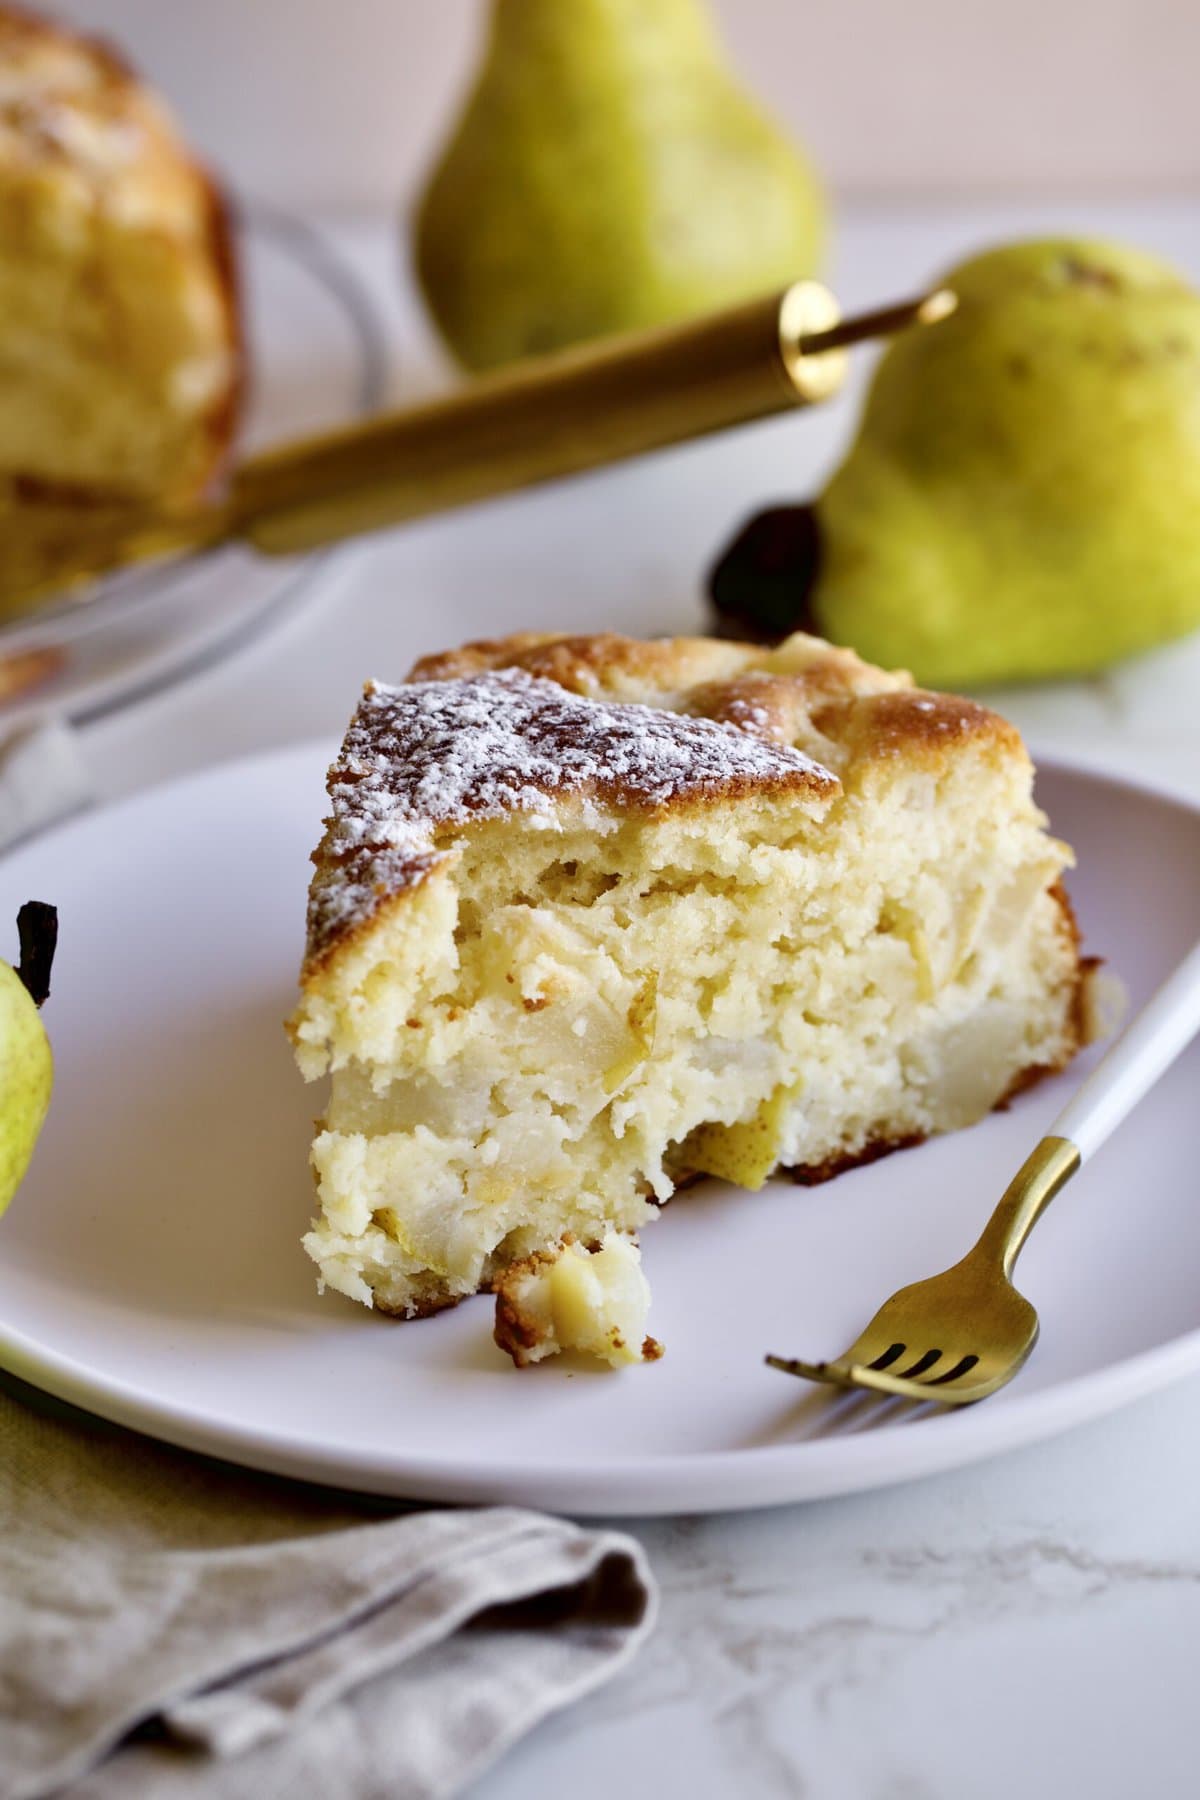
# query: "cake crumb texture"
{"type": "Point", "coordinates": [593, 1299]}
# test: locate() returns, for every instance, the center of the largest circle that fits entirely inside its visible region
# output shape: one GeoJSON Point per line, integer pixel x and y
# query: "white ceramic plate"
{"type": "Point", "coordinates": [150, 1268]}
{"type": "Point", "coordinates": [316, 358]}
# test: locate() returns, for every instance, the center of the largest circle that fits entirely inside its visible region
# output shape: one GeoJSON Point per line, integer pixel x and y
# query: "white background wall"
{"type": "Point", "coordinates": [341, 102]}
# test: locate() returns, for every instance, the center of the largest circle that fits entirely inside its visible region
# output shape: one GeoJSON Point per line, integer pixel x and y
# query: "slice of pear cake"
{"type": "Point", "coordinates": [592, 914]}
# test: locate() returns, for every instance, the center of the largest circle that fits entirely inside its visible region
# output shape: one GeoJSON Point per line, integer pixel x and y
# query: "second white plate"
{"type": "Point", "coordinates": [150, 1267]}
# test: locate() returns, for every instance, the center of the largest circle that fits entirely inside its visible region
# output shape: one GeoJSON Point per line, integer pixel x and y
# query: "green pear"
{"type": "Point", "coordinates": [608, 173]}
{"type": "Point", "coordinates": [1023, 495]}
{"type": "Point", "coordinates": [26, 1065]}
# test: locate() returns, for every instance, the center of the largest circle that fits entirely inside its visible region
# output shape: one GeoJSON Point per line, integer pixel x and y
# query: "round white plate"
{"type": "Point", "coordinates": [316, 357]}
{"type": "Point", "coordinates": [150, 1267]}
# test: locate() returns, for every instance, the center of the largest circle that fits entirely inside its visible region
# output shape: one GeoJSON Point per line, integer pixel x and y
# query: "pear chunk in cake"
{"type": "Point", "coordinates": [593, 1299]}
{"type": "Point", "coordinates": [592, 915]}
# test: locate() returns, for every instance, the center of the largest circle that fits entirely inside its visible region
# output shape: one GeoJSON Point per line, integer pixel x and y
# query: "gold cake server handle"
{"type": "Point", "coordinates": [535, 421]}
{"type": "Point", "coordinates": [556, 416]}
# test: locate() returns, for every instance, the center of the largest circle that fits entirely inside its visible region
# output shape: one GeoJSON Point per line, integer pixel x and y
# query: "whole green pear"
{"type": "Point", "coordinates": [608, 173]}
{"type": "Point", "coordinates": [26, 1077]}
{"type": "Point", "coordinates": [1023, 495]}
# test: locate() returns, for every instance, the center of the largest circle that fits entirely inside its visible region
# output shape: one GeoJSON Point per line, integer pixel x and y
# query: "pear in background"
{"type": "Point", "coordinates": [1023, 495]}
{"type": "Point", "coordinates": [26, 1065]}
{"type": "Point", "coordinates": [608, 173]}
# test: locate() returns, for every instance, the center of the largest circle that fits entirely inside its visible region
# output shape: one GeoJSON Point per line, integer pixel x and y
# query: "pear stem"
{"type": "Point", "coordinates": [37, 932]}
{"type": "Point", "coordinates": [884, 322]}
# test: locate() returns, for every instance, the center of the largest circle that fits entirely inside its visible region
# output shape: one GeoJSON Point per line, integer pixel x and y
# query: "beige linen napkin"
{"type": "Point", "coordinates": [172, 1626]}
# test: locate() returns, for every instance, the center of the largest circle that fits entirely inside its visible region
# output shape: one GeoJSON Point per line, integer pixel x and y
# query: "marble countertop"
{"type": "Point", "coordinates": [1024, 1627]}
{"type": "Point", "coordinates": [1027, 1625]}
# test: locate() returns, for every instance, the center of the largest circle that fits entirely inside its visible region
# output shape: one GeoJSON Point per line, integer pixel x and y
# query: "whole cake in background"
{"type": "Point", "coordinates": [120, 361]}
{"type": "Point", "coordinates": [593, 915]}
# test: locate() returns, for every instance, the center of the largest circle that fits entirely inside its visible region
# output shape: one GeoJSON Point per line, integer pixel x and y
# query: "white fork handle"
{"type": "Point", "coordinates": [1148, 1045]}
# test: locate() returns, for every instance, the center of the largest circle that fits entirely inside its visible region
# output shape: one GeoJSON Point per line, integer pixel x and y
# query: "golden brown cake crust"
{"type": "Point", "coordinates": [421, 1309]}
{"type": "Point", "coordinates": [225, 415]}
{"type": "Point", "coordinates": [603, 663]}
{"type": "Point", "coordinates": [514, 1331]}
{"type": "Point", "coordinates": [22, 30]}
{"type": "Point", "coordinates": [730, 718]}
{"type": "Point", "coordinates": [49, 57]}
{"type": "Point", "coordinates": [421, 762]}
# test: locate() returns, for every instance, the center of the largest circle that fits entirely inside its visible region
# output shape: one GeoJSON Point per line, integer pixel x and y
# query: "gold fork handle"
{"type": "Point", "coordinates": [1129, 1068]}
{"type": "Point", "coordinates": [552, 416]}
{"type": "Point", "coordinates": [1043, 1173]}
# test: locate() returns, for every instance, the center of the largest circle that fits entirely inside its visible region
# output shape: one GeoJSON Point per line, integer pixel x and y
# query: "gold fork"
{"type": "Point", "coordinates": [961, 1335]}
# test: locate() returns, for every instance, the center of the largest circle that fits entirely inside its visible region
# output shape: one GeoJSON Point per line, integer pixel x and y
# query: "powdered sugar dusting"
{"type": "Point", "coordinates": [438, 753]}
